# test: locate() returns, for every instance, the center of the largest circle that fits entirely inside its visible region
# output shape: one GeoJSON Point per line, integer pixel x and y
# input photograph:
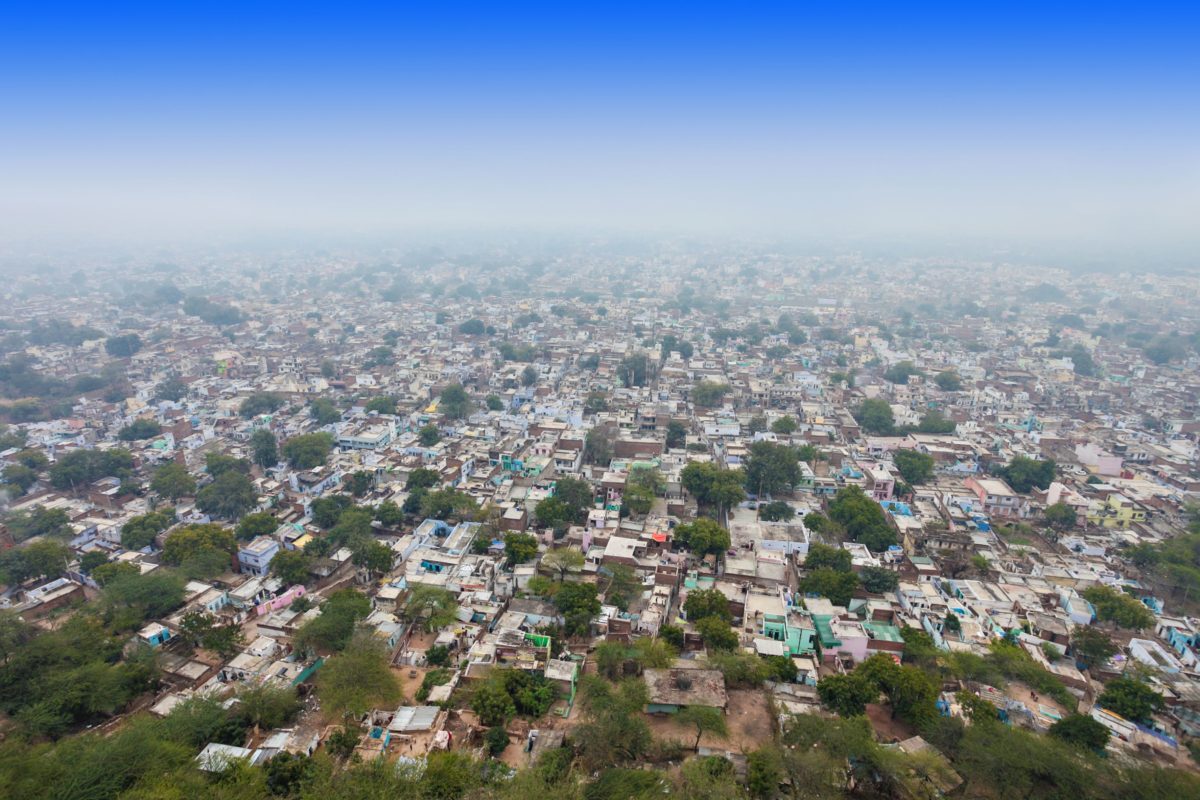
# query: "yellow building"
{"type": "Point", "coordinates": [1117, 511]}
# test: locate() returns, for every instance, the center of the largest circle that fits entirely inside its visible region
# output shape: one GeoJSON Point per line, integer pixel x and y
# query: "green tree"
{"type": "Point", "coordinates": [262, 523]}
{"type": "Point", "coordinates": [331, 630]}
{"type": "Point", "coordinates": [139, 596]}
{"type": "Point", "coordinates": [900, 372]}
{"type": "Point", "coordinates": [229, 496]}
{"type": "Point", "coordinates": [454, 402]}
{"type": "Point", "coordinates": [472, 327]}
{"type": "Point", "coordinates": [41, 522]}
{"type": "Point", "coordinates": [74, 470]}
{"type": "Point", "coordinates": [837, 586]}
{"type": "Point", "coordinates": [308, 450]}
{"type": "Point", "coordinates": [291, 566]}
{"type": "Point", "coordinates": [764, 772]}
{"type": "Point", "coordinates": [112, 571]}
{"type": "Point", "coordinates": [704, 719]}
{"type": "Point", "coordinates": [637, 499]}
{"type": "Point", "coordinates": [140, 531]}
{"type": "Point", "coordinates": [207, 545]}
{"type": "Point", "coordinates": [847, 695]}
{"type": "Point", "coordinates": [702, 603]}
{"type": "Point", "coordinates": [519, 548]}
{"type": "Point", "coordinates": [323, 411]}
{"type": "Point", "coordinates": [551, 512]}
{"type": "Point", "coordinates": [358, 679]}
{"type": "Point", "coordinates": [430, 607]}
{"type": "Point", "coordinates": [948, 381]}
{"type": "Point", "coordinates": [862, 518]}
{"type": "Point", "coordinates": [676, 435]}
{"type": "Point", "coordinates": [381, 405]}
{"type": "Point", "coordinates": [381, 356]}
{"type": "Point", "coordinates": [326, 511]}
{"type": "Point", "coordinates": [634, 370]}
{"type": "Point", "coordinates": [915, 467]}
{"type": "Point", "coordinates": [614, 730]}
{"type": "Point", "coordinates": [43, 558]}
{"type": "Point", "coordinates": [1130, 698]}
{"type": "Point", "coordinates": [1082, 731]}
{"type": "Point", "coordinates": [139, 429]}
{"type": "Point", "coordinates": [268, 705]}
{"type": "Point", "coordinates": [493, 705]}
{"type": "Point", "coordinates": [359, 483]}
{"type": "Point", "coordinates": [1060, 516]}
{"type": "Point", "coordinates": [815, 521]}
{"type": "Point", "coordinates": [123, 346]}
{"type": "Point", "coordinates": [496, 740]}
{"type": "Point", "coordinates": [776, 511]}
{"type": "Point", "coordinates": [447, 504]}
{"type": "Point", "coordinates": [717, 634]}
{"type": "Point", "coordinates": [875, 417]}
{"type": "Point", "coordinates": [217, 464]}
{"type": "Point", "coordinates": [578, 604]}
{"type": "Point", "coordinates": [703, 536]}
{"type": "Point", "coordinates": [172, 389]}
{"type": "Point", "coordinates": [264, 448]}
{"type": "Point", "coordinates": [1091, 646]}
{"type": "Point", "coordinates": [389, 515]}
{"type": "Point", "coordinates": [422, 478]}
{"type": "Point", "coordinates": [20, 476]}
{"type": "Point", "coordinates": [709, 394]}
{"type": "Point", "coordinates": [563, 560]}
{"type": "Point", "coordinates": [578, 496]}
{"type": "Point", "coordinates": [822, 556]}
{"type": "Point", "coordinates": [1118, 608]}
{"type": "Point", "coordinates": [429, 435]}
{"type": "Point", "coordinates": [529, 375]}
{"type": "Point", "coordinates": [598, 446]}
{"type": "Point", "coordinates": [260, 403]}
{"type": "Point", "coordinates": [1023, 474]}
{"type": "Point", "coordinates": [771, 468]}
{"type": "Point", "coordinates": [913, 696]}
{"type": "Point", "coordinates": [90, 560]}
{"type": "Point", "coordinates": [493, 403]}
{"type": "Point", "coordinates": [878, 579]}
{"type": "Point", "coordinates": [623, 584]}
{"type": "Point", "coordinates": [784, 426]}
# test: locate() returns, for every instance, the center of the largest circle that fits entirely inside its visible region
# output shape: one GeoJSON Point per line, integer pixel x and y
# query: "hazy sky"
{"type": "Point", "coordinates": [948, 121]}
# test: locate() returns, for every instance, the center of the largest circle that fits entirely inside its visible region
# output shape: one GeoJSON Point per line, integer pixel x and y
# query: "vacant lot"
{"type": "Point", "coordinates": [747, 717]}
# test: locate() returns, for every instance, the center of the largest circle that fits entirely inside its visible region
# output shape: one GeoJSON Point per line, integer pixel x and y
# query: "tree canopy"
{"type": "Point", "coordinates": [308, 450]}
{"type": "Point", "coordinates": [712, 486]}
{"type": "Point", "coordinates": [703, 536]}
{"type": "Point", "coordinates": [875, 416]}
{"type": "Point", "coordinates": [229, 496]}
{"type": "Point", "coordinates": [1024, 474]}
{"type": "Point", "coordinates": [915, 467]}
{"type": "Point", "coordinates": [454, 402]}
{"type": "Point", "coordinates": [862, 518]}
{"type": "Point", "coordinates": [173, 481]}
{"type": "Point", "coordinates": [359, 678]}
{"type": "Point", "coordinates": [771, 468]}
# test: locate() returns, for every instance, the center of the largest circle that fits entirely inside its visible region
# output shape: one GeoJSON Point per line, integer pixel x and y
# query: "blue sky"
{"type": "Point", "coordinates": [807, 120]}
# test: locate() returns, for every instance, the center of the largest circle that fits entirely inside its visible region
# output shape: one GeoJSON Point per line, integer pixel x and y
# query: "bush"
{"type": "Point", "coordinates": [496, 740]}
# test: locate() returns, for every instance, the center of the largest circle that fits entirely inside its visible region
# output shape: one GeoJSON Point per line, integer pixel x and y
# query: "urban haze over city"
{"type": "Point", "coordinates": [602, 402]}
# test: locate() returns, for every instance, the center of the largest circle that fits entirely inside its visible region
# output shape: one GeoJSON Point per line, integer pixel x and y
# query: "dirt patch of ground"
{"type": "Point", "coordinates": [887, 729]}
{"type": "Point", "coordinates": [1019, 691]}
{"type": "Point", "coordinates": [410, 682]}
{"type": "Point", "coordinates": [747, 718]}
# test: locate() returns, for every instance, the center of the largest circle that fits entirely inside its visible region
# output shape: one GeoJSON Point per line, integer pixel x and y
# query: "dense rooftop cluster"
{"type": "Point", "coordinates": [305, 517]}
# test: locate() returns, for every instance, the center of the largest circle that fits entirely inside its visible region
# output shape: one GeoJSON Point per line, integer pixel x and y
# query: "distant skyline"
{"type": "Point", "coordinates": [1072, 126]}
